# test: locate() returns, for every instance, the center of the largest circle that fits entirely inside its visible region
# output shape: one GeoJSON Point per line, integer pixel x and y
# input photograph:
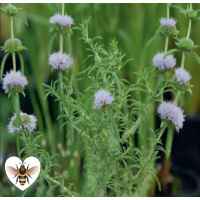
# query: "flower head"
{"type": "Point", "coordinates": [168, 22]}
{"type": "Point", "coordinates": [29, 122]}
{"type": "Point", "coordinates": [182, 76]}
{"type": "Point", "coordinates": [172, 113]}
{"type": "Point", "coordinates": [60, 61]}
{"type": "Point", "coordinates": [61, 20]}
{"type": "Point", "coordinates": [102, 98]}
{"type": "Point", "coordinates": [13, 45]}
{"type": "Point", "coordinates": [14, 82]}
{"type": "Point", "coordinates": [163, 64]}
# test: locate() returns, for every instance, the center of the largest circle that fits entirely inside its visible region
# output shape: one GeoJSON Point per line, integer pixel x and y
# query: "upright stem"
{"type": "Point", "coordinates": [14, 62]}
{"type": "Point", "coordinates": [61, 51]}
{"type": "Point", "coordinates": [166, 43]}
{"type": "Point", "coordinates": [183, 61]}
{"type": "Point", "coordinates": [190, 24]}
{"type": "Point", "coordinates": [167, 37]}
{"type": "Point", "coordinates": [16, 96]}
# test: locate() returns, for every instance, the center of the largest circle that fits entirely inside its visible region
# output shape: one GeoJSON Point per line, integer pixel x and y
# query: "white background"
{"type": "Point", "coordinates": [31, 161]}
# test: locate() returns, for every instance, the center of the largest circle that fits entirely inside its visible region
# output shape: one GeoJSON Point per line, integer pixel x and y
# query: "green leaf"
{"type": "Point", "coordinates": [3, 10]}
{"type": "Point", "coordinates": [196, 57]}
{"type": "Point", "coordinates": [50, 43]}
{"type": "Point", "coordinates": [171, 51]}
{"type": "Point", "coordinates": [117, 80]}
{"type": "Point", "coordinates": [3, 64]}
{"type": "Point", "coordinates": [152, 39]}
{"type": "Point", "coordinates": [21, 63]}
{"type": "Point", "coordinates": [21, 17]}
{"type": "Point", "coordinates": [168, 145]}
{"type": "Point", "coordinates": [179, 8]}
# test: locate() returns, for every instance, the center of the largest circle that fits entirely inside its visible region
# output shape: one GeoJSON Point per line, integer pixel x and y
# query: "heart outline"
{"type": "Point", "coordinates": [31, 161]}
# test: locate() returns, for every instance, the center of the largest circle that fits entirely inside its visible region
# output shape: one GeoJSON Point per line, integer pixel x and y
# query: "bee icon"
{"type": "Point", "coordinates": [22, 173]}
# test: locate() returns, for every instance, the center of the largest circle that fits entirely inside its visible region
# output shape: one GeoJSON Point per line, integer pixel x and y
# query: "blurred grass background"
{"type": "Point", "coordinates": [132, 25]}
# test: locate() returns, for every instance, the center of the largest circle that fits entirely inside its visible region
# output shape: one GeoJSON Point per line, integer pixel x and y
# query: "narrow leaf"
{"type": "Point", "coordinates": [50, 43]}
{"type": "Point", "coordinates": [21, 63]}
{"type": "Point", "coordinates": [171, 51]}
{"type": "Point", "coordinates": [168, 145]}
{"type": "Point", "coordinates": [21, 17]}
{"type": "Point", "coordinates": [196, 57]}
{"type": "Point", "coordinates": [3, 64]}
{"type": "Point", "coordinates": [152, 39]}
{"type": "Point", "coordinates": [179, 8]}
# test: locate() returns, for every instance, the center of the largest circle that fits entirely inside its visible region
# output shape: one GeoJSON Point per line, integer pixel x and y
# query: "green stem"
{"type": "Point", "coordinates": [190, 24]}
{"type": "Point", "coordinates": [18, 146]}
{"type": "Point", "coordinates": [14, 62]}
{"type": "Point", "coordinates": [166, 43]}
{"type": "Point", "coordinates": [60, 184]}
{"type": "Point", "coordinates": [132, 130]}
{"type": "Point", "coordinates": [189, 28]}
{"type": "Point", "coordinates": [61, 51]}
{"type": "Point", "coordinates": [167, 37]}
{"type": "Point", "coordinates": [160, 133]}
{"type": "Point", "coordinates": [63, 9]}
{"type": "Point", "coordinates": [17, 112]}
{"type": "Point", "coordinates": [11, 26]}
{"type": "Point", "coordinates": [17, 107]}
{"type": "Point", "coordinates": [177, 98]}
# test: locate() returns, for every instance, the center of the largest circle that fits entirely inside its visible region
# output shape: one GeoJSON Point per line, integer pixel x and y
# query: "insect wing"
{"type": "Point", "coordinates": [32, 170]}
{"type": "Point", "coordinates": [11, 170]}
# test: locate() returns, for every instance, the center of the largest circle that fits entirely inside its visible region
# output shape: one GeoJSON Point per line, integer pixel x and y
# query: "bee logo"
{"type": "Point", "coordinates": [22, 174]}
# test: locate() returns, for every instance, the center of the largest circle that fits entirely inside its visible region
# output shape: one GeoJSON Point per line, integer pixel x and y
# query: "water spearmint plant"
{"type": "Point", "coordinates": [104, 115]}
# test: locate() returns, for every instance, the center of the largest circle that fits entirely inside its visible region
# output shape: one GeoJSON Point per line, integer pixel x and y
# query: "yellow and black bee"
{"type": "Point", "coordinates": [22, 173]}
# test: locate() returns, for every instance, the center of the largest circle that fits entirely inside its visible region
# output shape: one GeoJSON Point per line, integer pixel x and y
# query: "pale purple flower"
{"type": "Point", "coordinates": [60, 61]}
{"type": "Point", "coordinates": [172, 113]}
{"type": "Point", "coordinates": [28, 122]}
{"type": "Point", "coordinates": [61, 20]}
{"type": "Point", "coordinates": [182, 76]}
{"type": "Point", "coordinates": [14, 80]}
{"type": "Point", "coordinates": [102, 98]}
{"type": "Point", "coordinates": [168, 22]}
{"type": "Point", "coordinates": [162, 64]}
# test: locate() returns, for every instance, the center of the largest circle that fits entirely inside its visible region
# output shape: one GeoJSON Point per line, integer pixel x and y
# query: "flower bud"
{"type": "Point", "coordinates": [13, 45]}
{"type": "Point", "coordinates": [191, 14]}
{"type": "Point", "coordinates": [185, 44]}
{"type": "Point", "coordinates": [12, 10]}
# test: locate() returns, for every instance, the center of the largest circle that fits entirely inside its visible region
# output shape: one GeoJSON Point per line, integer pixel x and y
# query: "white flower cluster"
{"type": "Point", "coordinates": [168, 22]}
{"type": "Point", "coordinates": [60, 61]}
{"type": "Point", "coordinates": [14, 81]}
{"type": "Point", "coordinates": [102, 98]}
{"type": "Point", "coordinates": [29, 122]}
{"type": "Point", "coordinates": [61, 20]}
{"type": "Point", "coordinates": [164, 64]}
{"type": "Point", "coordinates": [182, 76]}
{"type": "Point", "coordinates": [172, 113]}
